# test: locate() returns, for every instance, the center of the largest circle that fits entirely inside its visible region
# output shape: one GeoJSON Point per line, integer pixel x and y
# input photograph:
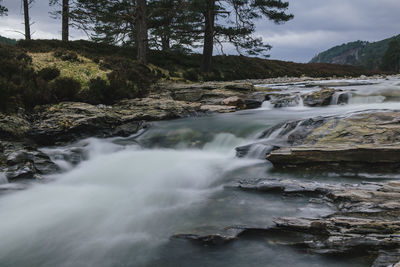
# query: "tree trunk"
{"type": "Point", "coordinates": [141, 31]}
{"type": "Point", "coordinates": [65, 20]}
{"type": "Point", "coordinates": [165, 46]}
{"type": "Point", "coordinates": [208, 36]}
{"type": "Point", "coordinates": [27, 20]}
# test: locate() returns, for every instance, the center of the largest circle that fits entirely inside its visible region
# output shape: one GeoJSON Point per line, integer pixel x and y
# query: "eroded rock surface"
{"type": "Point", "coordinates": [366, 220]}
{"type": "Point", "coordinates": [351, 141]}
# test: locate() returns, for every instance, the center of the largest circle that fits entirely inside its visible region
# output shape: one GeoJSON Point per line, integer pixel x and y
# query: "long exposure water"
{"type": "Point", "coordinates": [122, 203]}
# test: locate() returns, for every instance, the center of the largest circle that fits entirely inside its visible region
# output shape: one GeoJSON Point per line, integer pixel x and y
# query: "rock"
{"type": "Point", "coordinates": [254, 100]}
{"type": "Point", "coordinates": [153, 109]}
{"type": "Point", "coordinates": [218, 108]}
{"type": "Point", "coordinates": [13, 126]}
{"type": "Point", "coordinates": [69, 121]}
{"type": "Point", "coordinates": [366, 220]}
{"type": "Point", "coordinates": [233, 101]}
{"type": "Point", "coordinates": [23, 161]}
{"type": "Point", "coordinates": [241, 94]}
{"type": "Point", "coordinates": [354, 140]}
{"type": "Point", "coordinates": [319, 98]}
{"type": "Point", "coordinates": [285, 100]}
{"type": "Point", "coordinates": [387, 258]}
{"type": "Point", "coordinates": [257, 150]}
{"type": "Point", "coordinates": [211, 236]}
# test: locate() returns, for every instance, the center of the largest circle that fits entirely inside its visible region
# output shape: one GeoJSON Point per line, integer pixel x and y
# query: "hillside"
{"type": "Point", "coordinates": [359, 53]}
{"type": "Point", "coordinates": [7, 41]}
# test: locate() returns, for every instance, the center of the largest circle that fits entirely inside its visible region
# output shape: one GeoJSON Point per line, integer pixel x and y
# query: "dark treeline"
{"type": "Point", "coordinates": [168, 25]}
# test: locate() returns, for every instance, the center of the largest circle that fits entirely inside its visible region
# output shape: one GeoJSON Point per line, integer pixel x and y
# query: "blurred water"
{"type": "Point", "coordinates": [119, 200]}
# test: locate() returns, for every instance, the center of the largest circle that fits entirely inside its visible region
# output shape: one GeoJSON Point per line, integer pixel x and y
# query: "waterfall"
{"type": "Point", "coordinates": [335, 98]}
{"type": "Point", "coordinates": [3, 179]}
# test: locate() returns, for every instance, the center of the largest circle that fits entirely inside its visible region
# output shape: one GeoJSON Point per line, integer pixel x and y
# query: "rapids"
{"type": "Point", "coordinates": [119, 200]}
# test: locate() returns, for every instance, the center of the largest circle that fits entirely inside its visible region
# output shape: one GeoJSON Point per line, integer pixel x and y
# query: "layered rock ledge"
{"type": "Point", "coordinates": [365, 220]}
{"type": "Point", "coordinates": [368, 139]}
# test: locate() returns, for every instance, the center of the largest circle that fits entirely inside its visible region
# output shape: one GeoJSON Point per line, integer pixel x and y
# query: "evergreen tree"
{"type": "Point", "coordinates": [3, 10]}
{"type": "Point", "coordinates": [109, 21]}
{"type": "Point", "coordinates": [391, 59]}
{"type": "Point", "coordinates": [141, 31]}
{"type": "Point", "coordinates": [65, 16]}
{"type": "Point", "coordinates": [233, 21]}
{"type": "Point", "coordinates": [173, 24]}
{"type": "Point", "coordinates": [27, 20]}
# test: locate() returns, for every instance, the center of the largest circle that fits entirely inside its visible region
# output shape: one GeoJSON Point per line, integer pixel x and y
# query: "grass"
{"type": "Point", "coordinates": [82, 70]}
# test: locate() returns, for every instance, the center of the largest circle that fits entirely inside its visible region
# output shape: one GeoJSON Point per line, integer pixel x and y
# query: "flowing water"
{"type": "Point", "coordinates": [118, 201]}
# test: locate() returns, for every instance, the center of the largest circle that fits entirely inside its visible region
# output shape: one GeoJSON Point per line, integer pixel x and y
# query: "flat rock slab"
{"type": "Point", "coordinates": [357, 140]}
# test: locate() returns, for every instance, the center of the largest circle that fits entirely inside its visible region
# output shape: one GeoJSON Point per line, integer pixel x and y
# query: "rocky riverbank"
{"type": "Point", "coordinates": [69, 121]}
{"type": "Point", "coordinates": [365, 221]}
{"type": "Point", "coordinates": [22, 133]}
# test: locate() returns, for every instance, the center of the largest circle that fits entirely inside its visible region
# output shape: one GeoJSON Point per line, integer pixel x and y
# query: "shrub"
{"type": "Point", "coordinates": [65, 89]}
{"type": "Point", "coordinates": [49, 74]}
{"type": "Point", "coordinates": [66, 55]}
{"type": "Point", "coordinates": [191, 75]}
{"type": "Point", "coordinates": [99, 92]}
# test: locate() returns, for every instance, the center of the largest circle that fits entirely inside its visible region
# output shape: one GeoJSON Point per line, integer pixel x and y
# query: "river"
{"type": "Point", "coordinates": [127, 196]}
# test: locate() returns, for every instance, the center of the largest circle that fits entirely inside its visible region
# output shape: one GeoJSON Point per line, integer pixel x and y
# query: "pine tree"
{"type": "Point", "coordinates": [27, 21]}
{"type": "Point", "coordinates": [173, 24]}
{"type": "Point", "coordinates": [3, 10]}
{"type": "Point", "coordinates": [141, 31]}
{"type": "Point", "coordinates": [66, 6]}
{"type": "Point", "coordinates": [109, 21]}
{"type": "Point", "coordinates": [233, 21]}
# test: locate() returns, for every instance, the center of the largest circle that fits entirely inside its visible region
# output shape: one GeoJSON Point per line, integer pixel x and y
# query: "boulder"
{"type": "Point", "coordinates": [233, 101]}
{"type": "Point", "coordinates": [319, 98]}
{"type": "Point", "coordinates": [285, 100]}
{"type": "Point", "coordinates": [21, 161]}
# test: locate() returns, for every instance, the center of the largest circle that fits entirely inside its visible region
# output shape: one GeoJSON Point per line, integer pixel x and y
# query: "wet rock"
{"type": "Point", "coordinates": [319, 98]}
{"type": "Point", "coordinates": [387, 258]}
{"type": "Point", "coordinates": [353, 140]}
{"type": "Point", "coordinates": [257, 150]}
{"type": "Point", "coordinates": [212, 236]}
{"type": "Point", "coordinates": [254, 100]}
{"type": "Point", "coordinates": [23, 161]}
{"type": "Point", "coordinates": [285, 100]}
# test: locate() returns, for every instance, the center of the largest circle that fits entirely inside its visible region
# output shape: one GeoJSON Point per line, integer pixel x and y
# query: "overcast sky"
{"type": "Point", "coordinates": [317, 26]}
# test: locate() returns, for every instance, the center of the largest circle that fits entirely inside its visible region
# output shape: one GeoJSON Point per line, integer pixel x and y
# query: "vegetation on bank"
{"type": "Point", "coordinates": [49, 71]}
{"type": "Point", "coordinates": [7, 41]}
{"type": "Point", "coordinates": [359, 53]}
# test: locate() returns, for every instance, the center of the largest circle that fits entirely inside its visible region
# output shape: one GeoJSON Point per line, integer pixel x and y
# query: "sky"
{"type": "Point", "coordinates": [318, 25]}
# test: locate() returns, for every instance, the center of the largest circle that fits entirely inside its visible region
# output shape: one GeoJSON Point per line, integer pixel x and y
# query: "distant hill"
{"type": "Point", "coordinates": [359, 53]}
{"type": "Point", "coordinates": [7, 41]}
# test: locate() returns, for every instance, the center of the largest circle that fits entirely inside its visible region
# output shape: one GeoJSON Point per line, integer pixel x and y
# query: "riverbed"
{"type": "Point", "coordinates": [122, 200]}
